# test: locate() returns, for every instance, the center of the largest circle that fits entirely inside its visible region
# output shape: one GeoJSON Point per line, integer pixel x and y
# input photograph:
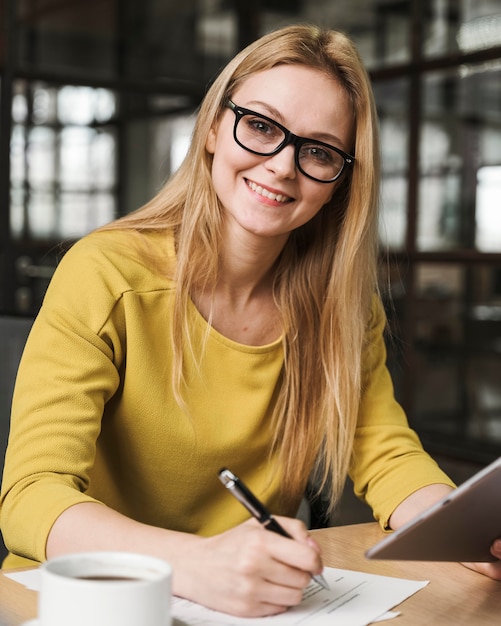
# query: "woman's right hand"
{"type": "Point", "coordinates": [249, 572]}
{"type": "Point", "coordinates": [246, 571]}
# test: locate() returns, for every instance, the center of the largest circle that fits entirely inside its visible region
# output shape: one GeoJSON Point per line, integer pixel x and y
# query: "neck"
{"type": "Point", "coordinates": [246, 265]}
{"type": "Point", "coordinates": [241, 305]}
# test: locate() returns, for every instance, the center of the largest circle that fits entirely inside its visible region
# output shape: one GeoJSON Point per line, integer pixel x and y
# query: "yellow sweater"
{"type": "Point", "coordinates": [93, 415]}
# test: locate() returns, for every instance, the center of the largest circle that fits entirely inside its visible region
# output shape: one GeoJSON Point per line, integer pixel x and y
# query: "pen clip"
{"type": "Point", "coordinates": [244, 496]}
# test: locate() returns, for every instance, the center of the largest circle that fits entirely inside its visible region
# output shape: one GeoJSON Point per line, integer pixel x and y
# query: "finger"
{"type": "Point", "coordinates": [298, 531]}
{"type": "Point", "coordinates": [266, 587]}
{"type": "Point", "coordinates": [300, 555]}
{"type": "Point", "coordinates": [496, 549]}
{"type": "Point", "coordinates": [277, 559]}
{"type": "Point", "coordinates": [240, 607]}
{"type": "Point", "coordinates": [282, 595]}
{"type": "Point", "coordinates": [492, 570]}
{"type": "Point", "coordinates": [249, 603]}
{"type": "Point", "coordinates": [273, 592]}
{"type": "Point", "coordinates": [261, 610]}
{"type": "Point", "coordinates": [288, 576]}
{"type": "Point", "coordinates": [295, 527]}
{"type": "Point", "coordinates": [251, 580]}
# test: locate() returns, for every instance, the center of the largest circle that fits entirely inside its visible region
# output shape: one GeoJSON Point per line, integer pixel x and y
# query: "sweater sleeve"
{"type": "Point", "coordinates": [388, 462]}
{"type": "Point", "coordinates": [68, 371]}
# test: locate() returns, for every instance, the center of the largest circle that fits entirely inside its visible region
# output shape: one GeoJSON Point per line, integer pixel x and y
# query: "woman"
{"type": "Point", "coordinates": [233, 321]}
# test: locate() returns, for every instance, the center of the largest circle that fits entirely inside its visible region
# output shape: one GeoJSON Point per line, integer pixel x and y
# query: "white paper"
{"type": "Point", "coordinates": [354, 599]}
{"type": "Point", "coordinates": [30, 578]}
{"type": "Point", "coordinates": [386, 616]}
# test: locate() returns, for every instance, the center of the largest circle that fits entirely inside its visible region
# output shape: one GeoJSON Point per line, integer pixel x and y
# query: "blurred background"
{"type": "Point", "coordinates": [97, 103]}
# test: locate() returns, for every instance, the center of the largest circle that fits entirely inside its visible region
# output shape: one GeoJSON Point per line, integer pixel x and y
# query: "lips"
{"type": "Point", "coordinates": [266, 193]}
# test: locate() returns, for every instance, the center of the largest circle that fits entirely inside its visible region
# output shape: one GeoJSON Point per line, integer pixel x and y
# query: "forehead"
{"type": "Point", "coordinates": [306, 99]}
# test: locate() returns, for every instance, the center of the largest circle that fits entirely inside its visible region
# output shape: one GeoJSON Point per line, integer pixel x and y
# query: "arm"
{"type": "Point", "coordinates": [85, 432]}
{"type": "Point", "coordinates": [417, 502]}
{"type": "Point", "coordinates": [389, 464]}
{"type": "Point", "coordinates": [390, 469]}
{"type": "Point", "coordinates": [244, 571]}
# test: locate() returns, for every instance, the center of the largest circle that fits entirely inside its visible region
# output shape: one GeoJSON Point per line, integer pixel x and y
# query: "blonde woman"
{"type": "Point", "coordinates": [232, 321]}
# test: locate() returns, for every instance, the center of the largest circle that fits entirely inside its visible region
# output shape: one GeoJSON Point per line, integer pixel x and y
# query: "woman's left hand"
{"type": "Point", "coordinates": [492, 569]}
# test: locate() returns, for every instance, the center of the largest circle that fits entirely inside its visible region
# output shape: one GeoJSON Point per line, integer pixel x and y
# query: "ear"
{"type": "Point", "coordinates": [210, 144]}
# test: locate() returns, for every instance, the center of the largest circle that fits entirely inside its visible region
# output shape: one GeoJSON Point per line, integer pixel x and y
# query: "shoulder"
{"type": "Point", "coordinates": [103, 268]}
{"type": "Point", "coordinates": [124, 260]}
{"type": "Point", "coordinates": [376, 320]}
{"type": "Point", "coordinates": [127, 246]}
{"type": "Point", "coordinates": [377, 316]}
{"type": "Point", "coordinates": [374, 349]}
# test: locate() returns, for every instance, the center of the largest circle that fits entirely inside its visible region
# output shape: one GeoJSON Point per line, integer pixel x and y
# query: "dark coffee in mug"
{"type": "Point", "coordinates": [109, 578]}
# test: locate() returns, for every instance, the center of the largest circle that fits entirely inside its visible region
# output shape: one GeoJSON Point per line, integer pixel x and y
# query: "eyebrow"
{"type": "Point", "coordinates": [274, 113]}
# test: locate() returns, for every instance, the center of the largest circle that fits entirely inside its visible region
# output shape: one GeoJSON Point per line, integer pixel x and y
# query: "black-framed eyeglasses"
{"type": "Point", "coordinates": [261, 135]}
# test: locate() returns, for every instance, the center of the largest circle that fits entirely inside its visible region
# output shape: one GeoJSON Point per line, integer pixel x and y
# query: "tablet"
{"type": "Point", "coordinates": [460, 527]}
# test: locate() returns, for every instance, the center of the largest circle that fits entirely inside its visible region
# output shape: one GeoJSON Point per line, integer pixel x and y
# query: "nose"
{"type": "Point", "coordinates": [283, 164]}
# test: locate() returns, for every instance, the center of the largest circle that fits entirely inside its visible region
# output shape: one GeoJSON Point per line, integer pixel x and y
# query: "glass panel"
{"type": "Point", "coordinates": [458, 350]}
{"type": "Point", "coordinates": [19, 106]}
{"type": "Point", "coordinates": [80, 213]}
{"type": "Point", "coordinates": [488, 218]}
{"type": "Point", "coordinates": [63, 160]}
{"type": "Point", "coordinates": [40, 153]}
{"type": "Point", "coordinates": [43, 103]}
{"type": "Point", "coordinates": [18, 155]}
{"type": "Point", "coordinates": [75, 157]}
{"type": "Point", "coordinates": [75, 105]}
{"type": "Point", "coordinates": [102, 159]}
{"type": "Point", "coordinates": [461, 26]}
{"type": "Point", "coordinates": [84, 105]}
{"type": "Point", "coordinates": [216, 34]}
{"type": "Point", "coordinates": [17, 212]}
{"type": "Point", "coordinates": [392, 105]}
{"type": "Point", "coordinates": [41, 214]}
{"type": "Point", "coordinates": [460, 159]}
{"type": "Point", "coordinates": [182, 129]}
{"type": "Point", "coordinates": [380, 29]}
{"type": "Point", "coordinates": [155, 148]}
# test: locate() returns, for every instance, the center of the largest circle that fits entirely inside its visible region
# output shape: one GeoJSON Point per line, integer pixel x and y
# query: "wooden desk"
{"type": "Point", "coordinates": [455, 596]}
{"type": "Point", "coordinates": [17, 604]}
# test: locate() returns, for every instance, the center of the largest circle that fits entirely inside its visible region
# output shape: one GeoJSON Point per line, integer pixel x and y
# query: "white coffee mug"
{"type": "Point", "coordinates": [105, 589]}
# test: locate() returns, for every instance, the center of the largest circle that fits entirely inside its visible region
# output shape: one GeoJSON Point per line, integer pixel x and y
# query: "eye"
{"type": "Point", "coordinates": [260, 126]}
{"type": "Point", "coordinates": [320, 154]}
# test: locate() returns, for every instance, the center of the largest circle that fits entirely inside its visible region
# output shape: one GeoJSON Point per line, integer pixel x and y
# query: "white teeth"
{"type": "Point", "coordinates": [277, 197]}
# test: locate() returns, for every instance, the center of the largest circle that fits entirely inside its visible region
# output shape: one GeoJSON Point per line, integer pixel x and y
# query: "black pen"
{"type": "Point", "coordinates": [258, 510]}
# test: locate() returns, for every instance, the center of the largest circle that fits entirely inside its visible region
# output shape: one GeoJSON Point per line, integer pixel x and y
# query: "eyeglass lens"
{"type": "Point", "coordinates": [263, 137]}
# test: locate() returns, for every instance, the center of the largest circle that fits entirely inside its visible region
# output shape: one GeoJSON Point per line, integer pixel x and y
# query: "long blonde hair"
{"type": "Point", "coordinates": [326, 274]}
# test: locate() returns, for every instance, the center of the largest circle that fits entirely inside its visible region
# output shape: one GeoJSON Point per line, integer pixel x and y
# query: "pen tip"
{"type": "Point", "coordinates": [321, 581]}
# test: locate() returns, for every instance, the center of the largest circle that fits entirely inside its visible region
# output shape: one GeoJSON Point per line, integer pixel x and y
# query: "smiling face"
{"type": "Point", "coordinates": [268, 196]}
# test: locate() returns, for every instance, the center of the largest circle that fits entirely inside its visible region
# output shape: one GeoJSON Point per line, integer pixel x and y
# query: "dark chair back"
{"type": "Point", "coordinates": [13, 334]}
